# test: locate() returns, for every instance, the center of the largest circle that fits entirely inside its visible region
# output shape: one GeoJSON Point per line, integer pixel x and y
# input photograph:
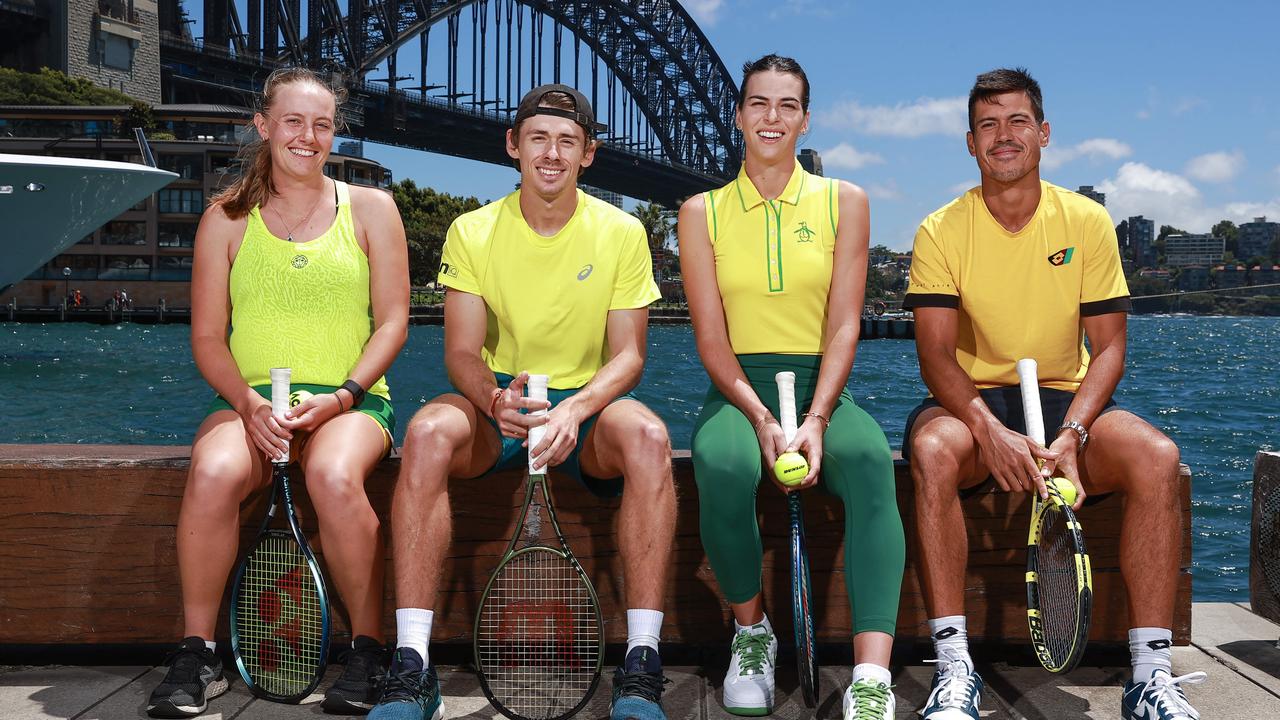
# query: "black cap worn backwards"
{"type": "Point", "coordinates": [531, 104]}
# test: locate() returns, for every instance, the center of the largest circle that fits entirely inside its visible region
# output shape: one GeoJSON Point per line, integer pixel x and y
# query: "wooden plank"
{"type": "Point", "coordinates": [87, 552]}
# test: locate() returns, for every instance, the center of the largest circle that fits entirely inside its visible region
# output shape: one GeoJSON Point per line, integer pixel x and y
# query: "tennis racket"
{"type": "Point", "coordinates": [801, 589]}
{"type": "Point", "coordinates": [539, 641]}
{"type": "Point", "coordinates": [1059, 582]}
{"type": "Point", "coordinates": [279, 607]}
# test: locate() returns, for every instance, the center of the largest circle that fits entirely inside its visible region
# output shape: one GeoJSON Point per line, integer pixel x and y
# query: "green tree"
{"type": "Point", "coordinates": [427, 215]}
{"type": "Point", "coordinates": [1228, 231]}
{"type": "Point", "coordinates": [658, 228]}
{"type": "Point", "coordinates": [137, 116]}
{"type": "Point", "coordinates": [50, 87]}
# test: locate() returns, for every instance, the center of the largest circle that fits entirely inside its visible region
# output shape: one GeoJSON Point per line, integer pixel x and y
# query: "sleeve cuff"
{"type": "Point", "coordinates": [453, 283]}
{"type": "Point", "coordinates": [1105, 307]}
{"type": "Point", "coordinates": [942, 300]}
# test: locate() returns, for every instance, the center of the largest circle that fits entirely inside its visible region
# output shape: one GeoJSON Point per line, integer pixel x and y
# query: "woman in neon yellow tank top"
{"type": "Point", "coordinates": [774, 267]}
{"type": "Point", "coordinates": [292, 269]}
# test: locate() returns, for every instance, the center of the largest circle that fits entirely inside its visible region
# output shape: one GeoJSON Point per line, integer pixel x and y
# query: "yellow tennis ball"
{"type": "Point", "coordinates": [790, 468]}
{"type": "Point", "coordinates": [1065, 488]}
{"type": "Point", "coordinates": [297, 397]}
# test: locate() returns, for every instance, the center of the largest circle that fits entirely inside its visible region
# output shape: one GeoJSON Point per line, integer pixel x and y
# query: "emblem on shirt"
{"type": "Point", "coordinates": [447, 269]}
{"type": "Point", "coordinates": [1062, 257]}
{"type": "Point", "coordinates": [804, 234]}
{"type": "Point", "coordinates": [585, 272]}
{"type": "Point", "coordinates": [299, 262]}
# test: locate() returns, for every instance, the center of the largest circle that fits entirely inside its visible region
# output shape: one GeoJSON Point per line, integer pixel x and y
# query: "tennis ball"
{"type": "Point", "coordinates": [1065, 489]}
{"type": "Point", "coordinates": [790, 468]}
{"type": "Point", "coordinates": [297, 397]}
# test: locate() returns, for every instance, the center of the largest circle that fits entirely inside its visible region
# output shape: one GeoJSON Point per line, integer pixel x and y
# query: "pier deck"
{"type": "Point", "coordinates": [1234, 646]}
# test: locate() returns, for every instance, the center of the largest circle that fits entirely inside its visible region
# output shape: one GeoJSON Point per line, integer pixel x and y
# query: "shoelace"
{"type": "Point", "coordinates": [751, 649]}
{"type": "Point", "coordinates": [360, 665]}
{"type": "Point", "coordinates": [955, 689]}
{"type": "Point", "coordinates": [184, 666]}
{"type": "Point", "coordinates": [647, 686]}
{"type": "Point", "coordinates": [1166, 694]}
{"type": "Point", "coordinates": [407, 685]}
{"type": "Point", "coordinates": [872, 698]}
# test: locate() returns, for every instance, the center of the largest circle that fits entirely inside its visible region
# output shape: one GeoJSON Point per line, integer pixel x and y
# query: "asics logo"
{"type": "Point", "coordinates": [585, 272]}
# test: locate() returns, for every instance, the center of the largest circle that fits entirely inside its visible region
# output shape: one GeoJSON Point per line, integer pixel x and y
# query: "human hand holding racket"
{"type": "Point", "coordinates": [1059, 579]}
{"type": "Point", "coordinates": [801, 590]}
{"type": "Point", "coordinates": [510, 401]}
{"type": "Point", "coordinates": [263, 428]}
{"type": "Point", "coordinates": [279, 607]}
{"type": "Point", "coordinates": [539, 640]}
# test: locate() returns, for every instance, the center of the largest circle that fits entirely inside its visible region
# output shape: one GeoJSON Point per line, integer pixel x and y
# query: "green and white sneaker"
{"type": "Point", "coordinates": [748, 686]}
{"type": "Point", "coordinates": [869, 700]}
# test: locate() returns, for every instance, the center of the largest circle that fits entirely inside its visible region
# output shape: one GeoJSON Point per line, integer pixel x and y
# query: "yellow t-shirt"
{"type": "Point", "coordinates": [549, 297]}
{"type": "Point", "coordinates": [1020, 294]}
{"type": "Point", "coordinates": [774, 260]}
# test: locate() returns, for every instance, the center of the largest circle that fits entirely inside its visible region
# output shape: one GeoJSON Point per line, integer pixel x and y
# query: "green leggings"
{"type": "Point", "coordinates": [857, 467]}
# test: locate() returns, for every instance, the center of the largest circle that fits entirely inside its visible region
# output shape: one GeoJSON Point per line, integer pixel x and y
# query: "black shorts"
{"type": "Point", "coordinates": [1006, 404]}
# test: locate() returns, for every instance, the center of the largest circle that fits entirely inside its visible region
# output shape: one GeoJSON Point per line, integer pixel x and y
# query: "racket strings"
{"type": "Point", "coordinates": [1058, 585]}
{"type": "Point", "coordinates": [1268, 542]}
{"type": "Point", "coordinates": [279, 618]}
{"type": "Point", "coordinates": [538, 637]}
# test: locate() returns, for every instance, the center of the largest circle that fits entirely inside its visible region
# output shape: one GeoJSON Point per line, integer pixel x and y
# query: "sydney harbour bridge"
{"type": "Point", "coordinates": [445, 75]}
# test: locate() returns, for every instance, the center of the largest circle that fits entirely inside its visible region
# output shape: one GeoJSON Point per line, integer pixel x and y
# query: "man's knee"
{"type": "Point", "coordinates": [434, 435]}
{"type": "Point", "coordinates": [1151, 470]}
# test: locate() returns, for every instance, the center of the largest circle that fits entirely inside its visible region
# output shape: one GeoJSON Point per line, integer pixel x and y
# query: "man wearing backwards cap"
{"type": "Point", "coordinates": [552, 281]}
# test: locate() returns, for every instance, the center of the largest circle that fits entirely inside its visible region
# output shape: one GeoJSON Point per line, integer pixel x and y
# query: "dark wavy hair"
{"type": "Point", "coordinates": [777, 63]}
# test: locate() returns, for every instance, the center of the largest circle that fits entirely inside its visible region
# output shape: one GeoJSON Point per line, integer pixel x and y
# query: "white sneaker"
{"type": "Point", "coordinates": [869, 700]}
{"type": "Point", "coordinates": [956, 692]}
{"type": "Point", "coordinates": [748, 686]}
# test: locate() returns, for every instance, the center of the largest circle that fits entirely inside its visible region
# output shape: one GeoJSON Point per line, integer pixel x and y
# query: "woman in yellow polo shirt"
{"type": "Point", "coordinates": [774, 267]}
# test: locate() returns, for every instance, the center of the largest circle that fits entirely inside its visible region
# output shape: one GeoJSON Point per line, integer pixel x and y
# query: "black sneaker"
{"type": "Point", "coordinates": [355, 692]}
{"type": "Point", "coordinates": [194, 678]}
{"type": "Point", "coordinates": [410, 691]}
{"type": "Point", "coordinates": [637, 687]}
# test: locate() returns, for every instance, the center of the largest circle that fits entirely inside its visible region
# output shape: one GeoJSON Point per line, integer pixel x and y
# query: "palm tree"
{"type": "Point", "coordinates": [658, 226]}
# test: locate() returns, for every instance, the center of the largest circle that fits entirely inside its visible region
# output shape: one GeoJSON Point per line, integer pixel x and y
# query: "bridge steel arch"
{"type": "Point", "coordinates": [653, 47]}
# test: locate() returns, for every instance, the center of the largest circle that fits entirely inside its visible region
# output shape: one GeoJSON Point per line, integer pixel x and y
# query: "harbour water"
{"type": "Point", "coordinates": [1212, 383]}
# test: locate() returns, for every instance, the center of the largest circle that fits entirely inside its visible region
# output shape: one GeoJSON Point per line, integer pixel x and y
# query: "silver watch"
{"type": "Point", "coordinates": [1079, 430]}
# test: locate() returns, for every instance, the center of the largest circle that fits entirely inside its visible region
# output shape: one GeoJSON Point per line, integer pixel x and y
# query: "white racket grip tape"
{"type": "Point", "coordinates": [280, 379]}
{"type": "Point", "coordinates": [1029, 381]}
{"type": "Point", "coordinates": [537, 388]}
{"type": "Point", "coordinates": [787, 403]}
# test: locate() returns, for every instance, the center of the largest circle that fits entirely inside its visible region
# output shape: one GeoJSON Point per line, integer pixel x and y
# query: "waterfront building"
{"type": "Point", "coordinates": [1193, 277]}
{"type": "Point", "coordinates": [811, 161]}
{"type": "Point", "coordinates": [147, 250]}
{"type": "Point", "coordinates": [1094, 195]}
{"type": "Point", "coordinates": [1140, 240]}
{"type": "Point", "coordinates": [113, 43]}
{"type": "Point", "coordinates": [1226, 277]}
{"type": "Point", "coordinates": [1183, 250]}
{"type": "Point", "coordinates": [1255, 239]}
{"type": "Point", "coordinates": [609, 196]}
{"type": "Point", "coordinates": [1263, 275]}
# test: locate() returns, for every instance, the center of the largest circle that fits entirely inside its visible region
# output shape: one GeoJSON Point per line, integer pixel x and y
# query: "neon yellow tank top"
{"type": "Point", "coordinates": [774, 260]}
{"type": "Point", "coordinates": [301, 305]}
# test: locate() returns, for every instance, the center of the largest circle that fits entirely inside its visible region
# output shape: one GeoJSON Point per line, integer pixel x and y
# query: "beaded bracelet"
{"type": "Point", "coordinates": [825, 422]}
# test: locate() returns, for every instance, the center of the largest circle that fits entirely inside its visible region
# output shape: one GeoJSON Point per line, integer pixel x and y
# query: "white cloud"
{"type": "Point", "coordinates": [962, 187]}
{"type": "Point", "coordinates": [1215, 167]}
{"type": "Point", "coordinates": [926, 116]}
{"type": "Point", "coordinates": [847, 156]}
{"type": "Point", "coordinates": [884, 191]}
{"type": "Point", "coordinates": [1171, 199]}
{"type": "Point", "coordinates": [1092, 149]}
{"type": "Point", "coordinates": [706, 12]}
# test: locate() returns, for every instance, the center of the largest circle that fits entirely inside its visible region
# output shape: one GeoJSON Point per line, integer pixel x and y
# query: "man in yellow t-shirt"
{"type": "Point", "coordinates": [1019, 268]}
{"type": "Point", "coordinates": [546, 281]}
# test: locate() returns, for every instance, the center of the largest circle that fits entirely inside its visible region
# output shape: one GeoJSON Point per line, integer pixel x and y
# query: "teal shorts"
{"type": "Point", "coordinates": [515, 455]}
{"type": "Point", "coordinates": [375, 406]}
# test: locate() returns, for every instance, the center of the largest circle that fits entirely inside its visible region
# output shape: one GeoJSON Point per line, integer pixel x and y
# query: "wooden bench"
{"type": "Point", "coordinates": [87, 553]}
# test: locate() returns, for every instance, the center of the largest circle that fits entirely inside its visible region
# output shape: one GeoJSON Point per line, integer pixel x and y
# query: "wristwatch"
{"type": "Point", "coordinates": [353, 387]}
{"type": "Point", "coordinates": [1079, 430]}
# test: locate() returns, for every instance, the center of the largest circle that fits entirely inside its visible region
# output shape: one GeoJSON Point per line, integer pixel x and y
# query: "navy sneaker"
{"type": "Point", "coordinates": [637, 687]}
{"type": "Point", "coordinates": [409, 692]}
{"type": "Point", "coordinates": [955, 694]}
{"type": "Point", "coordinates": [1160, 698]}
{"type": "Point", "coordinates": [356, 691]}
{"type": "Point", "coordinates": [194, 678]}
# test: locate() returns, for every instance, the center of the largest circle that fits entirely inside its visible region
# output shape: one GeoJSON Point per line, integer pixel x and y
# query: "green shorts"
{"type": "Point", "coordinates": [375, 406]}
{"type": "Point", "coordinates": [515, 455]}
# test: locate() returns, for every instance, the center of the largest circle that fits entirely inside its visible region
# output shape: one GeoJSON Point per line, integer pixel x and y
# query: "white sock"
{"type": "Point", "coordinates": [871, 671]}
{"type": "Point", "coordinates": [213, 646]}
{"type": "Point", "coordinates": [413, 630]}
{"type": "Point", "coordinates": [643, 628]}
{"type": "Point", "coordinates": [764, 624]}
{"type": "Point", "coordinates": [951, 639]}
{"type": "Point", "coordinates": [1150, 648]}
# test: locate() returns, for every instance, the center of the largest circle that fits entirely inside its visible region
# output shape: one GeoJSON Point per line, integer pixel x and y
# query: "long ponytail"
{"type": "Point", "coordinates": [254, 186]}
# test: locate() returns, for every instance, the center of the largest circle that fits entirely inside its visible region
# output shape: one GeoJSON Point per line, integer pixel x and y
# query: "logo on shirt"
{"type": "Point", "coordinates": [299, 262]}
{"type": "Point", "coordinates": [447, 269]}
{"type": "Point", "coordinates": [1062, 257]}
{"type": "Point", "coordinates": [804, 234]}
{"type": "Point", "coordinates": [585, 272]}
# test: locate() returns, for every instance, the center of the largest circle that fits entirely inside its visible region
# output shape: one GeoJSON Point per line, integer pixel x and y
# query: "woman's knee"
{"type": "Point", "coordinates": [218, 478]}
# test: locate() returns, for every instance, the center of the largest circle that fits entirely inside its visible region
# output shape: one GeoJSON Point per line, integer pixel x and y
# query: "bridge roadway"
{"type": "Point", "coordinates": [197, 74]}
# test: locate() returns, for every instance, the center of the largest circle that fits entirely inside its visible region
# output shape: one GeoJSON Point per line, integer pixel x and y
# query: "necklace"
{"type": "Point", "coordinates": [301, 223]}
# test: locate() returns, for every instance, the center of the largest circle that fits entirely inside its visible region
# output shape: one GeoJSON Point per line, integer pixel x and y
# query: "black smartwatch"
{"type": "Point", "coordinates": [353, 387]}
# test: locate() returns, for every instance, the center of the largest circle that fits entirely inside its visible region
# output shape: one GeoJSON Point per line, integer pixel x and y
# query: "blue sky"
{"type": "Point", "coordinates": [1169, 107]}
